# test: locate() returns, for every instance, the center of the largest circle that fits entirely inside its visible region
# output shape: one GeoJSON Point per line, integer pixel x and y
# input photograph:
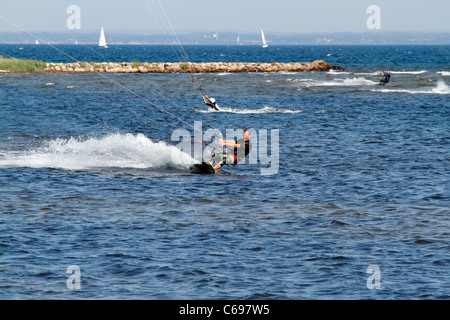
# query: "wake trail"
{"type": "Point", "coordinates": [112, 151]}
{"type": "Point", "coordinates": [249, 111]}
{"type": "Point", "coordinates": [440, 88]}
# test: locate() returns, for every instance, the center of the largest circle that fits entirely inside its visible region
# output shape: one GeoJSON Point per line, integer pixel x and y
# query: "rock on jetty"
{"type": "Point", "coordinates": [178, 67]}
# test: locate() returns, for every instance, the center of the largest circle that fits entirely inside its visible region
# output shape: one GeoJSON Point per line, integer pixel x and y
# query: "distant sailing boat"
{"type": "Point", "coordinates": [37, 42]}
{"type": "Point", "coordinates": [265, 45]}
{"type": "Point", "coordinates": [238, 41]}
{"type": "Point", "coordinates": [102, 41]}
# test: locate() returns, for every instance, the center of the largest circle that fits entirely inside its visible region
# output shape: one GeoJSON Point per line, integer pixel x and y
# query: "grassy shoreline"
{"type": "Point", "coordinates": [20, 65]}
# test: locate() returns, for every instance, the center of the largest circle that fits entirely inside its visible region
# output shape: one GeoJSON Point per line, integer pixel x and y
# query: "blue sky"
{"type": "Point", "coordinates": [297, 16]}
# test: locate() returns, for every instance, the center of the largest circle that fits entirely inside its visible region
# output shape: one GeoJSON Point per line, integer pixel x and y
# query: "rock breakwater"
{"type": "Point", "coordinates": [177, 67]}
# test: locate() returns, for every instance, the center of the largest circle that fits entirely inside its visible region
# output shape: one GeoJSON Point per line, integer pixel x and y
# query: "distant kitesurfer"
{"type": "Point", "coordinates": [211, 102]}
{"type": "Point", "coordinates": [241, 148]}
{"type": "Point", "coordinates": [387, 77]}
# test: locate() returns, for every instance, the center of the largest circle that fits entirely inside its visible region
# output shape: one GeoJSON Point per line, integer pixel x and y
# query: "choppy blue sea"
{"type": "Point", "coordinates": [356, 205]}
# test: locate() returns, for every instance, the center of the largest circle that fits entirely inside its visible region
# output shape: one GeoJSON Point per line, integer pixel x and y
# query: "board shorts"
{"type": "Point", "coordinates": [228, 159]}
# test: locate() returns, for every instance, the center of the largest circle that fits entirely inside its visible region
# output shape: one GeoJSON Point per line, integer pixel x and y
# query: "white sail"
{"type": "Point", "coordinates": [265, 45]}
{"type": "Point", "coordinates": [37, 42]}
{"type": "Point", "coordinates": [102, 41]}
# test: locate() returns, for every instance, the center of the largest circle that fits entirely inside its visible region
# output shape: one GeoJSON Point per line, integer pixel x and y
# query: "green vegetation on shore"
{"type": "Point", "coordinates": [12, 64]}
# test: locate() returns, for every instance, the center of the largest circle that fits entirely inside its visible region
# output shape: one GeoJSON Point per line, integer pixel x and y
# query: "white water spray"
{"type": "Point", "coordinates": [112, 151]}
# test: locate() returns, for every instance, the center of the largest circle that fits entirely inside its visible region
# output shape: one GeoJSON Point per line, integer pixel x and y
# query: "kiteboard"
{"type": "Point", "coordinates": [202, 168]}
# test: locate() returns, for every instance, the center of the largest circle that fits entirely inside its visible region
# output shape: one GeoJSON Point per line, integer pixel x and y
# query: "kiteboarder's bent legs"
{"type": "Point", "coordinates": [224, 159]}
{"type": "Point", "coordinates": [241, 148]}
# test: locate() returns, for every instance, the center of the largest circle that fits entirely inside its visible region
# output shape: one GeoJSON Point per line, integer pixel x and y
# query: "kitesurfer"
{"type": "Point", "coordinates": [211, 102]}
{"type": "Point", "coordinates": [241, 148]}
{"type": "Point", "coordinates": [387, 77]}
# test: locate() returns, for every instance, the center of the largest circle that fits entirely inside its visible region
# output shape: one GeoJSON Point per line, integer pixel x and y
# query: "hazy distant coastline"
{"type": "Point", "coordinates": [234, 38]}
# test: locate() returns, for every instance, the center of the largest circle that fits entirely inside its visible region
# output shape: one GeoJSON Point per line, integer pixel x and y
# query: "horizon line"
{"type": "Point", "coordinates": [158, 32]}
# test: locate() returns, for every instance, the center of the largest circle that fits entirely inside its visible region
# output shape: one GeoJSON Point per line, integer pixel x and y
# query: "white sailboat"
{"type": "Point", "coordinates": [37, 42]}
{"type": "Point", "coordinates": [102, 40]}
{"type": "Point", "coordinates": [265, 45]}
